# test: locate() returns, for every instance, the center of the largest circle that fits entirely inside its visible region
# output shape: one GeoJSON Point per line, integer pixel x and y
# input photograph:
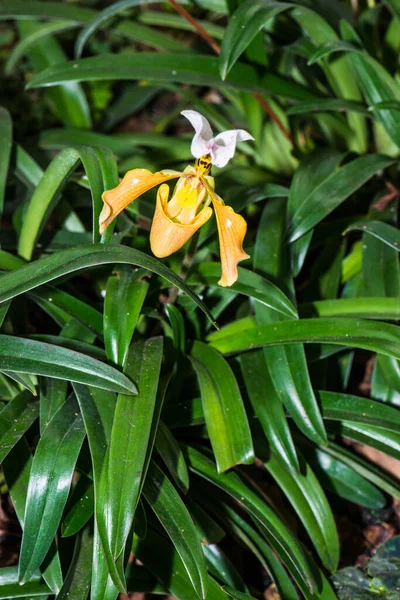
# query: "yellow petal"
{"type": "Point", "coordinates": [134, 184]}
{"type": "Point", "coordinates": [166, 236]}
{"type": "Point", "coordinates": [231, 231]}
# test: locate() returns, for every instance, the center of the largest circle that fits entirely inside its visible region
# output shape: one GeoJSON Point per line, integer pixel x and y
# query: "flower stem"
{"type": "Point", "coordinates": [199, 28]}
{"type": "Point", "coordinates": [213, 44]}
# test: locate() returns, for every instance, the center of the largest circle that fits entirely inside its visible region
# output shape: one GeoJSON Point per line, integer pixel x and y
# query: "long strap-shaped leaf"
{"type": "Point", "coordinates": [77, 581]}
{"type": "Point", "coordinates": [356, 333]}
{"type": "Point", "coordinates": [98, 407]}
{"type": "Point", "coordinates": [162, 559]}
{"type": "Point", "coordinates": [175, 518]}
{"type": "Point", "coordinates": [17, 468]}
{"type": "Point", "coordinates": [267, 406]}
{"type": "Point", "coordinates": [50, 479]}
{"type": "Point", "coordinates": [80, 257]}
{"type": "Point", "coordinates": [331, 191]}
{"type": "Point", "coordinates": [224, 412]}
{"type": "Point", "coordinates": [100, 18]}
{"type": "Point", "coordinates": [246, 22]}
{"type": "Point", "coordinates": [308, 500]}
{"type": "Point", "coordinates": [195, 69]}
{"type": "Point", "coordinates": [47, 192]}
{"type": "Point", "coordinates": [30, 356]}
{"type": "Point", "coordinates": [287, 367]}
{"type": "Point", "coordinates": [279, 536]}
{"type": "Point", "coordinates": [122, 474]}
{"type": "Point", "coordinates": [5, 151]}
{"type": "Point", "coordinates": [15, 418]}
{"type": "Point", "coordinates": [249, 283]}
{"type": "Point", "coordinates": [125, 294]}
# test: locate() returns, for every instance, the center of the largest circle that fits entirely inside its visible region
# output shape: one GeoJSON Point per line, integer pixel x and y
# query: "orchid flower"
{"type": "Point", "coordinates": [177, 219]}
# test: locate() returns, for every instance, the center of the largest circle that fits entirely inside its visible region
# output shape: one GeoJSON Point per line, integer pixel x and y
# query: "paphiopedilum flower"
{"type": "Point", "coordinates": [177, 219]}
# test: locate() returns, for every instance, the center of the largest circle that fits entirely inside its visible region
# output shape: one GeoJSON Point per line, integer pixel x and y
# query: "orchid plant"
{"type": "Point", "coordinates": [176, 220]}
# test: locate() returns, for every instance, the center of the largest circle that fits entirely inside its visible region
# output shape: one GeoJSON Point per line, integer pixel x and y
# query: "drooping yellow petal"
{"type": "Point", "coordinates": [231, 231]}
{"type": "Point", "coordinates": [167, 236]}
{"type": "Point", "coordinates": [134, 184]}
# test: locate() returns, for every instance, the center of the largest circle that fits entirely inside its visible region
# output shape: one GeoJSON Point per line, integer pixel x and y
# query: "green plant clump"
{"type": "Point", "coordinates": [171, 423]}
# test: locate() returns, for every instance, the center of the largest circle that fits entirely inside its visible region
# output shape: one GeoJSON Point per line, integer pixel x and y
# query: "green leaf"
{"type": "Point", "coordinates": [236, 594]}
{"type": "Point", "coordinates": [163, 560]}
{"type": "Point", "coordinates": [360, 410]}
{"type": "Point", "coordinates": [248, 283]}
{"type": "Point", "coordinates": [73, 331]}
{"type": "Point", "coordinates": [170, 452]}
{"type": "Point", "coordinates": [80, 507]}
{"type": "Point", "coordinates": [102, 584]}
{"type": "Point", "coordinates": [39, 358]}
{"type": "Point", "coordinates": [365, 308]}
{"type": "Point", "coordinates": [224, 412]}
{"type": "Point", "coordinates": [101, 18]}
{"type": "Point", "coordinates": [327, 193]}
{"type": "Point", "coordinates": [209, 530]}
{"type": "Point", "coordinates": [4, 310]}
{"type": "Point", "coordinates": [355, 333]}
{"type": "Point", "coordinates": [10, 587]}
{"type": "Point", "coordinates": [221, 567]}
{"type": "Point", "coordinates": [287, 367]}
{"type": "Point", "coordinates": [268, 407]}
{"type": "Point", "coordinates": [15, 419]}
{"type": "Point", "coordinates": [47, 192]}
{"type": "Point", "coordinates": [29, 40]}
{"type": "Point", "coordinates": [75, 308]}
{"type": "Point", "coordinates": [288, 370]}
{"type": "Point", "coordinates": [5, 151]}
{"type": "Point", "coordinates": [329, 47]}
{"type": "Point", "coordinates": [339, 478]}
{"type": "Point", "coordinates": [308, 500]}
{"type": "Point", "coordinates": [380, 268]}
{"type": "Point", "coordinates": [282, 541]}
{"type": "Point", "coordinates": [338, 72]}
{"type": "Point", "coordinates": [326, 105]}
{"type": "Point", "coordinates": [173, 515]}
{"type": "Point", "coordinates": [195, 69]}
{"type": "Point", "coordinates": [77, 580]}
{"type": "Point", "coordinates": [123, 470]}
{"type": "Point", "coordinates": [385, 384]}
{"type": "Point", "coordinates": [44, 196]}
{"type": "Point", "coordinates": [395, 104]}
{"type": "Point", "coordinates": [54, 10]}
{"type": "Point", "coordinates": [262, 551]}
{"type": "Point", "coordinates": [122, 144]}
{"type": "Point", "coordinates": [98, 407]}
{"type": "Point", "coordinates": [79, 15]}
{"type": "Point", "coordinates": [382, 231]}
{"type": "Point", "coordinates": [383, 439]}
{"type": "Point", "coordinates": [133, 98]}
{"type": "Point", "coordinates": [51, 474]}
{"type": "Point", "coordinates": [375, 83]}
{"type": "Point", "coordinates": [394, 5]}
{"type": "Point", "coordinates": [243, 26]}
{"type": "Point", "coordinates": [17, 467]}
{"type": "Point", "coordinates": [369, 471]}
{"type": "Point", "coordinates": [68, 101]}
{"type": "Point", "coordinates": [23, 380]}
{"type": "Point", "coordinates": [125, 293]}
{"type": "Point", "coordinates": [68, 261]}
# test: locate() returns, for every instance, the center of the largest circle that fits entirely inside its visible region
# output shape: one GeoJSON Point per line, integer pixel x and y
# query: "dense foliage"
{"type": "Point", "coordinates": [158, 432]}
